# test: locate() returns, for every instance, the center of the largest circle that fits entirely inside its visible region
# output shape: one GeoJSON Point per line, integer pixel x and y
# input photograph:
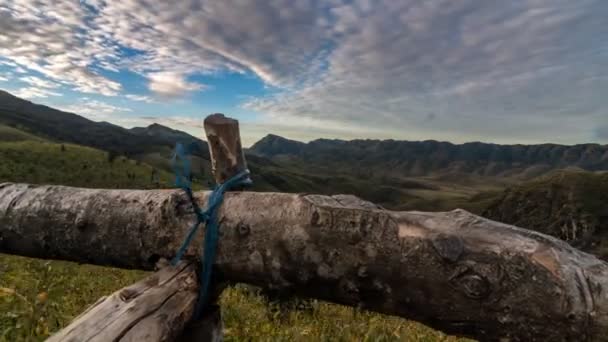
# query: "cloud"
{"type": "Point", "coordinates": [73, 42]}
{"type": "Point", "coordinates": [488, 70]}
{"type": "Point", "coordinates": [34, 92]}
{"type": "Point", "coordinates": [141, 98]}
{"type": "Point", "coordinates": [95, 109]}
{"type": "Point", "coordinates": [170, 84]}
{"type": "Point", "coordinates": [274, 39]}
{"type": "Point", "coordinates": [38, 82]}
{"type": "Point", "coordinates": [51, 38]}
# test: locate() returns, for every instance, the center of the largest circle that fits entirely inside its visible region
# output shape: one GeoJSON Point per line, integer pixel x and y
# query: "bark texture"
{"type": "Point", "coordinates": [453, 271]}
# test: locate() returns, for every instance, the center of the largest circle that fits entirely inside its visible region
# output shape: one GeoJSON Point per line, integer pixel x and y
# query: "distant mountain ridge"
{"type": "Point", "coordinates": [68, 127]}
{"type": "Point", "coordinates": [418, 158]}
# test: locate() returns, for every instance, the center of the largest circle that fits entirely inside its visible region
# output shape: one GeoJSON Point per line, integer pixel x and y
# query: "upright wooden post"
{"type": "Point", "coordinates": [227, 160]}
{"type": "Point", "coordinates": [227, 157]}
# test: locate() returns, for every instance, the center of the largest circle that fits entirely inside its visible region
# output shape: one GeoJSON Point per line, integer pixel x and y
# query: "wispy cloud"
{"type": "Point", "coordinates": [141, 98]}
{"type": "Point", "coordinates": [171, 84]}
{"type": "Point", "coordinates": [47, 37]}
{"type": "Point", "coordinates": [95, 109]}
{"type": "Point", "coordinates": [38, 82]}
{"type": "Point", "coordinates": [34, 92]}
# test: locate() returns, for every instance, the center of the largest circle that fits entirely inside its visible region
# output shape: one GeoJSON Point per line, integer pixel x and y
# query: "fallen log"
{"type": "Point", "coordinates": [453, 271]}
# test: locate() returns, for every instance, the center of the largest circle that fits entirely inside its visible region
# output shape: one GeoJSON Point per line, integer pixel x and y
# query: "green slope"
{"type": "Point", "coordinates": [568, 204]}
{"type": "Point", "coordinates": [50, 163]}
{"type": "Point", "coordinates": [8, 133]}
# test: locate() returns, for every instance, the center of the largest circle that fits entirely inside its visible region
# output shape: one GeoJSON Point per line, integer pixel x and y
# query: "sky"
{"type": "Point", "coordinates": [517, 71]}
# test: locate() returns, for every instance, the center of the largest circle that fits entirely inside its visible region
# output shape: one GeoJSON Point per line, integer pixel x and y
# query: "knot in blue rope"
{"type": "Point", "coordinates": [207, 217]}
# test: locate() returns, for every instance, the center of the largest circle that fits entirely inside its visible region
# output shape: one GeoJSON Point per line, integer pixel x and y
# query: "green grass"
{"type": "Point", "coordinates": [8, 133]}
{"type": "Point", "coordinates": [38, 297]}
{"type": "Point", "coordinates": [50, 163]}
{"type": "Point", "coordinates": [569, 204]}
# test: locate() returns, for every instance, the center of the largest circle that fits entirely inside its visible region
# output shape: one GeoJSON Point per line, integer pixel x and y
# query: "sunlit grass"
{"type": "Point", "coordinates": [39, 297]}
{"type": "Point", "coordinates": [51, 163]}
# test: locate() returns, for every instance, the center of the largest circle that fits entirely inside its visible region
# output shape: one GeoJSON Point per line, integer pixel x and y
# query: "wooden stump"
{"type": "Point", "coordinates": [223, 136]}
{"type": "Point", "coordinates": [156, 308]}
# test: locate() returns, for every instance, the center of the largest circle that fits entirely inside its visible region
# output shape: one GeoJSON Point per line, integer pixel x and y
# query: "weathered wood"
{"type": "Point", "coordinates": [154, 309]}
{"type": "Point", "coordinates": [453, 271]}
{"type": "Point", "coordinates": [223, 136]}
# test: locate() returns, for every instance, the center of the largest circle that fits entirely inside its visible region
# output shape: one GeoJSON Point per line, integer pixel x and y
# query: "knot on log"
{"type": "Point", "coordinates": [449, 247]}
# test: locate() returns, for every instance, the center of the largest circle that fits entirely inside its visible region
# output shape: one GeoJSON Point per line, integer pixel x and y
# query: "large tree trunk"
{"type": "Point", "coordinates": [453, 271]}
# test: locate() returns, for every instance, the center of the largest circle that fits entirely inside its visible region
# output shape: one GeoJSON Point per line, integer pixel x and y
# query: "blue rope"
{"type": "Point", "coordinates": [208, 217]}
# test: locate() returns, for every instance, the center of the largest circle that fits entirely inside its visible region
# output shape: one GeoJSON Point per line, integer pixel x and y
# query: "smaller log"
{"type": "Point", "coordinates": [154, 309]}
{"type": "Point", "coordinates": [227, 157]}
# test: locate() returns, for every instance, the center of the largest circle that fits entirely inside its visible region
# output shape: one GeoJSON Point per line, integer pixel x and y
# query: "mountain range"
{"type": "Point", "coordinates": [427, 158]}
{"type": "Point", "coordinates": [361, 158]}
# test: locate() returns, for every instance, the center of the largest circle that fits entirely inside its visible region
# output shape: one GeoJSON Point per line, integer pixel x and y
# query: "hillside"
{"type": "Point", "coordinates": [151, 145]}
{"type": "Point", "coordinates": [571, 205]}
{"type": "Point", "coordinates": [68, 127]}
{"type": "Point", "coordinates": [51, 163]}
{"type": "Point", "coordinates": [8, 133]}
{"type": "Point", "coordinates": [433, 158]}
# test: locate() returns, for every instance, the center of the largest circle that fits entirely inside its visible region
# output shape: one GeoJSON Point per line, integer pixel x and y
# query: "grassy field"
{"type": "Point", "coordinates": [38, 297]}
{"type": "Point", "coordinates": [8, 133]}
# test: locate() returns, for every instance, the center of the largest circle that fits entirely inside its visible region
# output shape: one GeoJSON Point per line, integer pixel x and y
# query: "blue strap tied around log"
{"type": "Point", "coordinates": [207, 217]}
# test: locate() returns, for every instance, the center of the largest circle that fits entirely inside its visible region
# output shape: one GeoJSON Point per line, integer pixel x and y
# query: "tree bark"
{"type": "Point", "coordinates": [454, 271]}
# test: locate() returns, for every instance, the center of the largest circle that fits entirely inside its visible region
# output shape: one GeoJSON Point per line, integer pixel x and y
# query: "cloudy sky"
{"type": "Point", "coordinates": [516, 71]}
